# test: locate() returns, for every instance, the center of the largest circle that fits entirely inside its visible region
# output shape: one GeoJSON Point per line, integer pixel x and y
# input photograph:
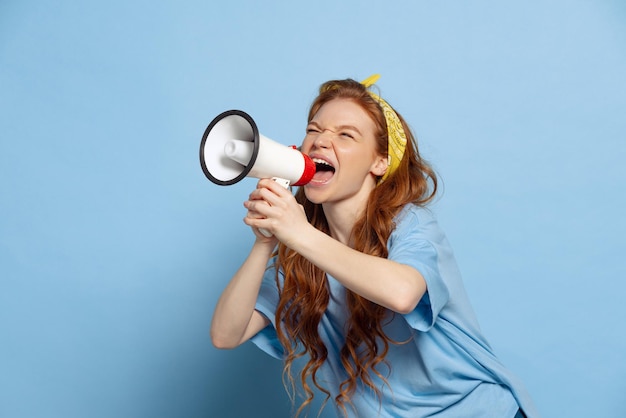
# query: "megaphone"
{"type": "Point", "coordinates": [232, 148]}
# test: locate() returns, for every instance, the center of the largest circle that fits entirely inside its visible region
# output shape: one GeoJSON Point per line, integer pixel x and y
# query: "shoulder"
{"type": "Point", "coordinates": [412, 215]}
{"type": "Point", "coordinates": [416, 223]}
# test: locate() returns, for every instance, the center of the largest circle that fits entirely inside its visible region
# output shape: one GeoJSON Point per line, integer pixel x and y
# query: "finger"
{"type": "Point", "coordinates": [254, 215]}
{"type": "Point", "coordinates": [266, 194]}
{"type": "Point", "coordinates": [274, 193]}
{"type": "Point", "coordinates": [277, 185]}
{"type": "Point", "coordinates": [258, 208]}
{"type": "Point", "coordinates": [257, 223]}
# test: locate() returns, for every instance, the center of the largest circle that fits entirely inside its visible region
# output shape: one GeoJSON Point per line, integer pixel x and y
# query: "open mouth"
{"type": "Point", "coordinates": [323, 170]}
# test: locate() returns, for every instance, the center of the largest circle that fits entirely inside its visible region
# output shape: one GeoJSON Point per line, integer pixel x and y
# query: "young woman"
{"type": "Point", "coordinates": [359, 280]}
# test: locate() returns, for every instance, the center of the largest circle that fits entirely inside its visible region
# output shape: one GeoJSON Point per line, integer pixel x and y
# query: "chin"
{"type": "Point", "coordinates": [313, 195]}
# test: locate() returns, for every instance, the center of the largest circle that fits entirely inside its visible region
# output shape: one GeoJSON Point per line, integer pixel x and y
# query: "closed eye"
{"type": "Point", "coordinates": [347, 135]}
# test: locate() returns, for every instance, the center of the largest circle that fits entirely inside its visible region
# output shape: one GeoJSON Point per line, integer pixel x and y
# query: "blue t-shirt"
{"type": "Point", "coordinates": [446, 369]}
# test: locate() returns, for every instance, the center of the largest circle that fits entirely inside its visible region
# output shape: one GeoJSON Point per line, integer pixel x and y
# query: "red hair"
{"type": "Point", "coordinates": [304, 291]}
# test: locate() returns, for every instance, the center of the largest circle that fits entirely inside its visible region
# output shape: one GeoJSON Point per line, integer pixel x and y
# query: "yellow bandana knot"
{"type": "Point", "coordinates": [395, 132]}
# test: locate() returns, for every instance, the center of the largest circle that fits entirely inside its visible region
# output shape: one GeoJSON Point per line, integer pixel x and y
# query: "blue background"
{"type": "Point", "coordinates": [114, 247]}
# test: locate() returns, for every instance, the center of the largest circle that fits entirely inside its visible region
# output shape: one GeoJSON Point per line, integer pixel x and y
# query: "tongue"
{"type": "Point", "coordinates": [322, 176]}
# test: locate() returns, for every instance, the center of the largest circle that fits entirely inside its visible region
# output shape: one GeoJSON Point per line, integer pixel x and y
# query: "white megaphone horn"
{"type": "Point", "coordinates": [232, 148]}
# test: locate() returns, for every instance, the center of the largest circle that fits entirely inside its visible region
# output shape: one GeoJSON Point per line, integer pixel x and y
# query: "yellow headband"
{"type": "Point", "coordinates": [395, 131]}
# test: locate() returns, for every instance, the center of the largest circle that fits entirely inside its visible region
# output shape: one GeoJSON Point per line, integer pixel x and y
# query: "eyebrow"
{"type": "Point", "coordinates": [339, 128]}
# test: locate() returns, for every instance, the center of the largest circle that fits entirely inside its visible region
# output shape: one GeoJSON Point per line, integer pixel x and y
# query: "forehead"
{"type": "Point", "coordinates": [344, 112]}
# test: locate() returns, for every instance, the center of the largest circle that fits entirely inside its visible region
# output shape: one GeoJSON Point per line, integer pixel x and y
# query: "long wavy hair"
{"type": "Point", "coordinates": [304, 291]}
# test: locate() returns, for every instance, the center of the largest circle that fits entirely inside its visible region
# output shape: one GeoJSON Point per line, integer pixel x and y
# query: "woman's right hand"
{"type": "Point", "coordinates": [253, 214]}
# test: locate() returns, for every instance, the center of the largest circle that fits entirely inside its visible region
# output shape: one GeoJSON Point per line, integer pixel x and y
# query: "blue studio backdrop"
{"type": "Point", "coordinates": [114, 246]}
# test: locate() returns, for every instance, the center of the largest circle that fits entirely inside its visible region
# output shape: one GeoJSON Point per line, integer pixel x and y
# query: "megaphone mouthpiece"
{"type": "Point", "coordinates": [240, 151]}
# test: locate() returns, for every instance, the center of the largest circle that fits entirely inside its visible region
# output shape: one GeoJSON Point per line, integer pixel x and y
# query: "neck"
{"type": "Point", "coordinates": [340, 224]}
{"type": "Point", "coordinates": [341, 217]}
{"type": "Point", "coordinates": [342, 214]}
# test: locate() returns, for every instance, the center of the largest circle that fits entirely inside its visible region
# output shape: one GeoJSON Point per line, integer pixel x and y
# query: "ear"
{"type": "Point", "coordinates": [379, 167]}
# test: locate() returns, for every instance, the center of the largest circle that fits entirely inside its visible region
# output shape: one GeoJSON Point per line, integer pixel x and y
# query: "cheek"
{"type": "Point", "coordinates": [306, 145]}
{"type": "Point", "coordinates": [362, 160]}
{"type": "Point", "coordinates": [351, 152]}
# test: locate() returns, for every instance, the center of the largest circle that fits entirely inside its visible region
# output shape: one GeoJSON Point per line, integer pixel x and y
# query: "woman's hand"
{"type": "Point", "coordinates": [273, 208]}
{"type": "Point", "coordinates": [261, 237]}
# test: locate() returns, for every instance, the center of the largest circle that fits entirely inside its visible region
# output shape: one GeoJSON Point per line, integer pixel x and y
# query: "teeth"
{"type": "Point", "coordinates": [320, 161]}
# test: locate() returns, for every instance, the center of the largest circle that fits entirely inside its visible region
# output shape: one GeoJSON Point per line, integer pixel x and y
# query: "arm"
{"type": "Point", "coordinates": [235, 320]}
{"type": "Point", "coordinates": [393, 285]}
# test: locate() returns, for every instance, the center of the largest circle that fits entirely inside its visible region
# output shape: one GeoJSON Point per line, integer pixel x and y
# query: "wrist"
{"type": "Point", "coordinates": [302, 239]}
{"type": "Point", "coordinates": [264, 247]}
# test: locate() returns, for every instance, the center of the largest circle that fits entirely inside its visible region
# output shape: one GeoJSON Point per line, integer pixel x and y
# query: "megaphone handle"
{"type": "Point", "coordinates": [285, 183]}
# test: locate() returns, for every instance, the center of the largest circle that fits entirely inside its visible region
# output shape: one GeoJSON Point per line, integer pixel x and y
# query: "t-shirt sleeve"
{"type": "Point", "coordinates": [267, 301]}
{"type": "Point", "coordinates": [414, 242]}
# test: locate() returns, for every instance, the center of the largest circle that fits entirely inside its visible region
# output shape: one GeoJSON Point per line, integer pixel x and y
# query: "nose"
{"type": "Point", "coordinates": [323, 139]}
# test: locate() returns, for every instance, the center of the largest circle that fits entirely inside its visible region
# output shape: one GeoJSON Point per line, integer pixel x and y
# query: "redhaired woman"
{"type": "Point", "coordinates": [360, 281]}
